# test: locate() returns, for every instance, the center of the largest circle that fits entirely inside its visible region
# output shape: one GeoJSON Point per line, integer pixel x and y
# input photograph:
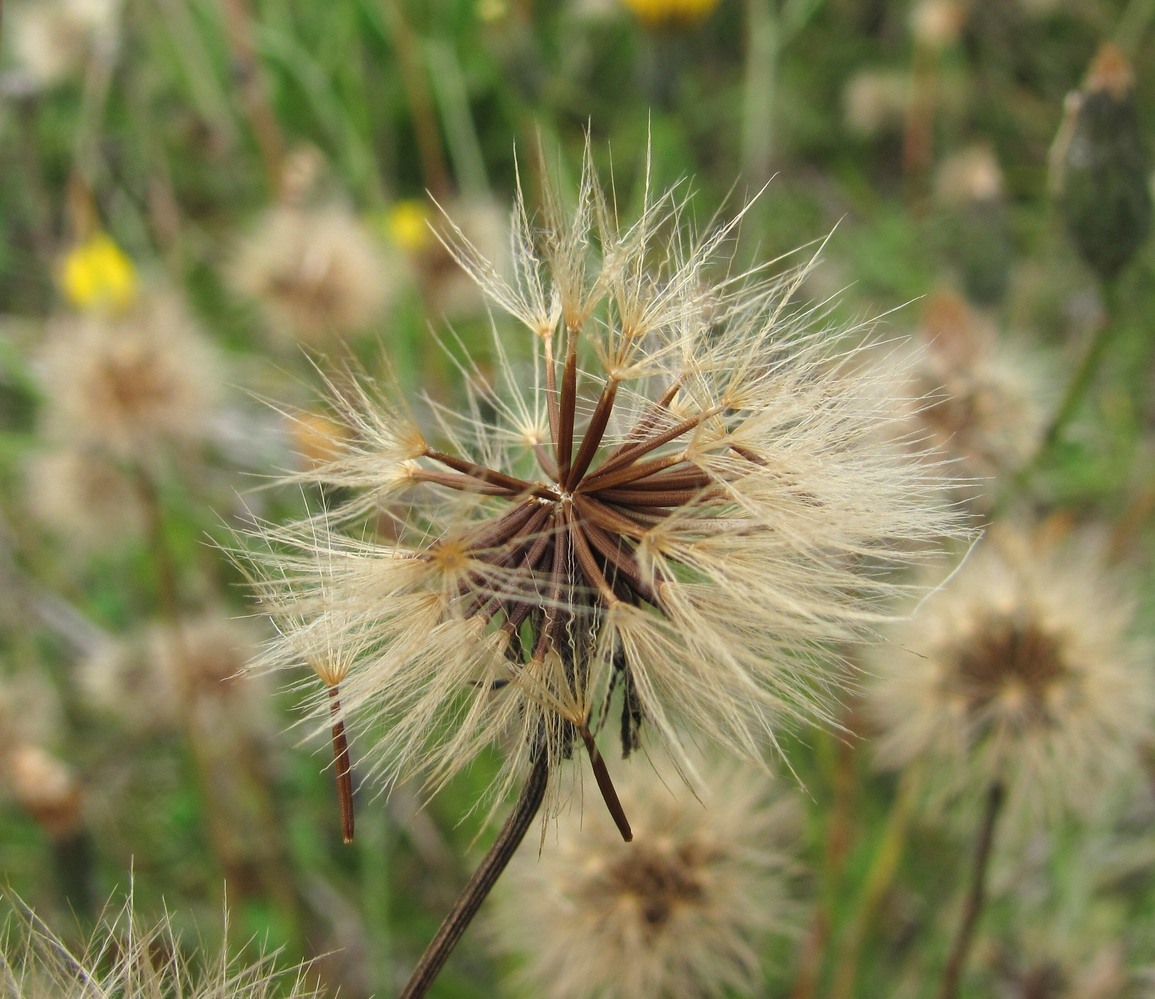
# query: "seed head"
{"type": "Point", "coordinates": [83, 496]}
{"type": "Point", "coordinates": [128, 958]}
{"type": "Point", "coordinates": [315, 271]}
{"type": "Point", "coordinates": [141, 679]}
{"type": "Point", "coordinates": [678, 503]}
{"type": "Point", "coordinates": [980, 404]}
{"type": "Point", "coordinates": [1019, 670]}
{"type": "Point", "coordinates": [130, 385]}
{"type": "Point", "coordinates": [54, 39]}
{"type": "Point", "coordinates": [683, 911]}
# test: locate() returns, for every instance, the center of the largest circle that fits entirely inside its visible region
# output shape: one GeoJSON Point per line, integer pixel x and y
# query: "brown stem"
{"type": "Point", "coordinates": [254, 93]}
{"type": "Point", "coordinates": [976, 895]}
{"type": "Point", "coordinates": [648, 420]}
{"type": "Point", "coordinates": [482, 882]}
{"type": "Point", "coordinates": [342, 766]}
{"type": "Point", "coordinates": [426, 131]}
{"type": "Point", "coordinates": [606, 785]}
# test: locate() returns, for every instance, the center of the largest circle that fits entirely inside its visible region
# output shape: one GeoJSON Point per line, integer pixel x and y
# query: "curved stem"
{"type": "Point", "coordinates": [976, 895]}
{"type": "Point", "coordinates": [1078, 386]}
{"type": "Point", "coordinates": [482, 882]}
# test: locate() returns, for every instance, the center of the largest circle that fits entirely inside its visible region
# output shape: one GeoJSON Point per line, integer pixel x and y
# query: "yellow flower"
{"type": "Point", "coordinates": [662, 13]}
{"type": "Point", "coordinates": [407, 225]}
{"type": "Point", "coordinates": [96, 275]}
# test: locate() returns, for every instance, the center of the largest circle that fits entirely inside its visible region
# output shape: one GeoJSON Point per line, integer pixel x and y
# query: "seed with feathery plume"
{"type": "Point", "coordinates": [681, 503]}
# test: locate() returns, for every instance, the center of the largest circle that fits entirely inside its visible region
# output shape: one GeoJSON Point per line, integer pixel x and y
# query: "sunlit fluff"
{"type": "Point", "coordinates": [683, 912]}
{"type": "Point", "coordinates": [682, 501]}
{"type": "Point", "coordinates": [1020, 671]}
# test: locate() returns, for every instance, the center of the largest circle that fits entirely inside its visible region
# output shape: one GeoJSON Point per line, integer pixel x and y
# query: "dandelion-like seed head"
{"type": "Point", "coordinates": [674, 504]}
{"type": "Point", "coordinates": [981, 404]}
{"type": "Point", "coordinates": [316, 272]}
{"type": "Point", "coordinates": [131, 384]}
{"type": "Point", "coordinates": [129, 957]}
{"type": "Point", "coordinates": [84, 496]}
{"type": "Point", "coordinates": [1021, 671]}
{"type": "Point", "coordinates": [683, 911]}
{"type": "Point", "coordinates": [55, 39]}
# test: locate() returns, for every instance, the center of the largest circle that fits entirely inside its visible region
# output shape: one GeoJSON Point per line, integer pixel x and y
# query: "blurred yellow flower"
{"type": "Point", "coordinates": [96, 275]}
{"type": "Point", "coordinates": [408, 226]}
{"type": "Point", "coordinates": [660, 13]}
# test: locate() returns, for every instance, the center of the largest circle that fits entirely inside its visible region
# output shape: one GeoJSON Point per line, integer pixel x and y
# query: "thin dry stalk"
{"type": "Point", "coordinates": [482, 882]}
{"type": "Point", "coordinates": [976, 895]}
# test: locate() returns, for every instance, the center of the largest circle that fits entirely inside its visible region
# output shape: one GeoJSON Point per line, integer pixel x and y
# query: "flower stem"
{"type": "Point", "coordinates": [1086, 371]}
{"type": "Point", "coordinates": [976, 896]}
{"type": "Point", "coordinates": [342, 766]}
{"type": "Point", "coordinates": [482, 882]}
{"type": "Point", "coordinates": [887, 856]}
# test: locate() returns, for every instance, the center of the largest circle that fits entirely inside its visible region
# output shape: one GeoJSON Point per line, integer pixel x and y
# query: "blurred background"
{"type": "Point", "coordinates": [208, 206]}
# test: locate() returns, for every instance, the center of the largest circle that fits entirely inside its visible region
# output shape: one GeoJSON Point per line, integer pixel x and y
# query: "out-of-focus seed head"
{"type": "Point", "coordinates": [937, 24]}
{"type": "Point", "coordinates": [150, 681]}
{"type": "Point", "coordinates": [130, 385]}
{"type": "Point", "coordinates": [84, 497]}
{"type": "Point", "coordinates": [1100, 167]}
{"type": "Point", "coordinates": [54, 40]}
{"type": "Point", "coordinates": [876, 102]}
{"type": "Point", "coordinates": [685, 910]}
{"type": "Point", "coordinates": [674, 496]}
{"type": "Point", "coordinates": [980, 404]}
{"type": "Point", "coordinates": [315, 272]}
{"type": "Point", "coordinates": [1020, 670]}
{"type": "Point", "coordinates": [131, 959]}
{"type": "Point", "coordinates": [45, 787]}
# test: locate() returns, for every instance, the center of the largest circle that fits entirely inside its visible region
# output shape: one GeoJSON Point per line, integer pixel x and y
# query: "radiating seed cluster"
{"type": "Point", "coordinates": [673, 497]}
{"type": "Point", "coordinates": [684, 911]}
{"type": "Point", "coordinates": [1021, 670]}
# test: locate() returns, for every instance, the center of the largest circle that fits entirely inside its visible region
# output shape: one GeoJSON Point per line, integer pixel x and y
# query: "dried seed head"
{"type": "Point", "coordinates": [130, 385]}
{"type": "Point", "coordinates": [980, 403]}
{"type": "Point", "coordinates": [54, 39]}
{"type": "Point", "coordinates": [1021, 671]}
{"type": "Point", "coordinates": [876, 102]}
{"type": "Point", "coordinates": [683, 911]}
{"type": "Point", "coordinates": [83, 496]}
{"type": "Point", "coordinates": [45, 787]}
{"type": "Point", "coordinates": [315, 272]}
{"type": "Point", "coordinates": [128, 958]}
{"type": "Point", "coordinates": [142, 680]}
{"type": "Point", "coordinates": [683, 497]}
